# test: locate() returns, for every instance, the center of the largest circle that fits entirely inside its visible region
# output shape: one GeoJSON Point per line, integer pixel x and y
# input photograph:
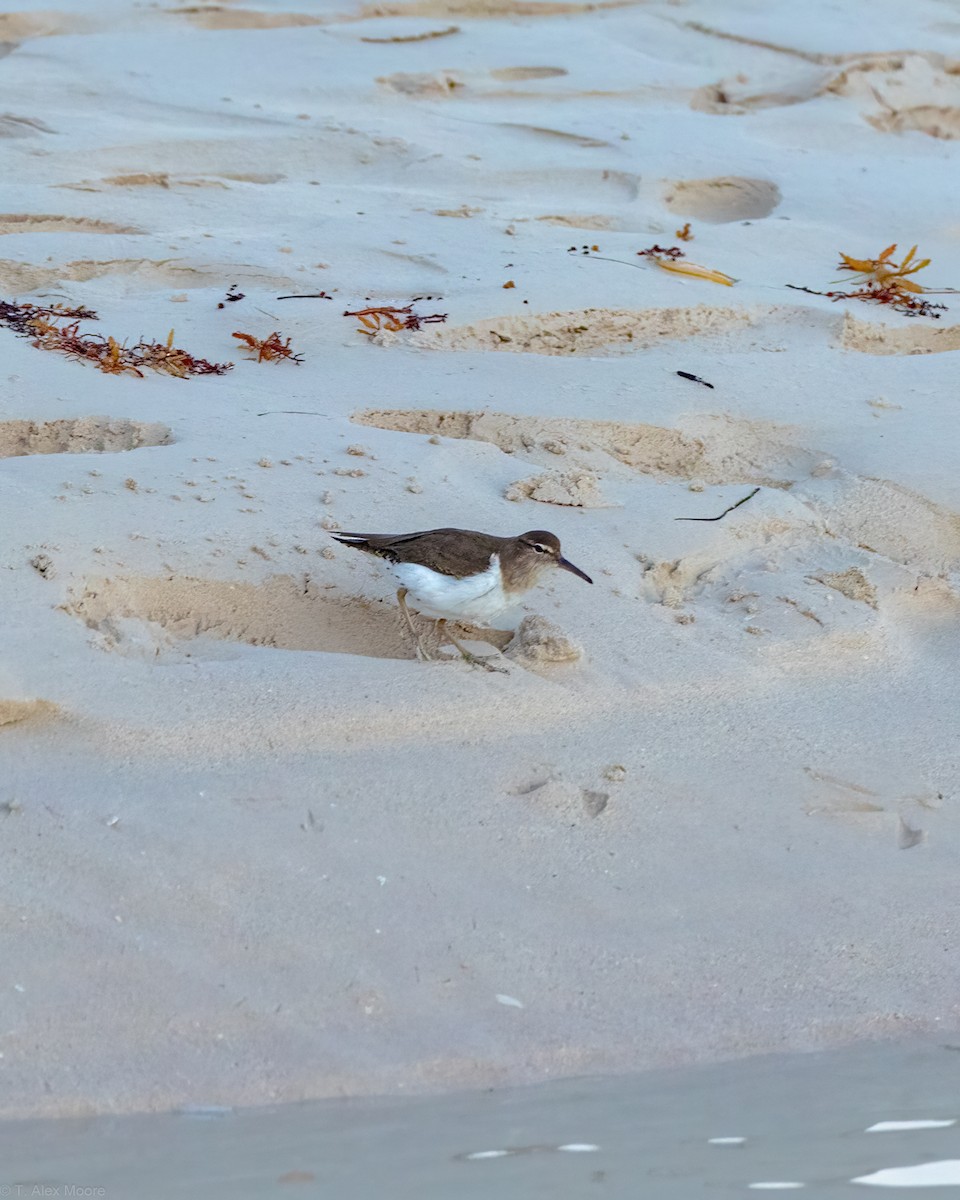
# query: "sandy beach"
{"type": "Point", "coordinates": [254, 851]}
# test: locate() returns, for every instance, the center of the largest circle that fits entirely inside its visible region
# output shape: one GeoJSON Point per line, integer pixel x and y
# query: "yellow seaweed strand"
{"type": "Point", "coordinates": [698, 272]}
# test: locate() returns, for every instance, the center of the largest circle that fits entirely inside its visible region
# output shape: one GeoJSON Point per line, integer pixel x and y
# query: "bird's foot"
{"type": "Point", "coordinates": [475, 660]}
{"type": "Point", "coordinates": [423, 654]}
{"type": "Point", "coordinates": [482, 660]}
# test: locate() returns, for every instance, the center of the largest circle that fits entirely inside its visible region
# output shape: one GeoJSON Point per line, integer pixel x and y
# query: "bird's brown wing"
{"type": "Point", "coordinates": [443, 550]}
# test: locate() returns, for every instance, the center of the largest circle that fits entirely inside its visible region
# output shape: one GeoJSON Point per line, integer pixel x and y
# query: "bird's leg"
{"type": "Point", "coordinates": [422, 654]}
{"type": "Point", "coordinates": [475, 660]}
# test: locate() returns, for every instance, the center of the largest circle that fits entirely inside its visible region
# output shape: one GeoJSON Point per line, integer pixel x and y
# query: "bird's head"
{"type": "Point", "coordinates": [539, 550]}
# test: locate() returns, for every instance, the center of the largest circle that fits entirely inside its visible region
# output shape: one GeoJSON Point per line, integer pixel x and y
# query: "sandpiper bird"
{"type": "Point", "coordinates": [460, 574]}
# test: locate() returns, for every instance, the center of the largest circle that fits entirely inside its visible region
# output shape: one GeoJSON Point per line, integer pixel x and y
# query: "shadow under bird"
{"type": "Point", "coordinates": [462, 575]}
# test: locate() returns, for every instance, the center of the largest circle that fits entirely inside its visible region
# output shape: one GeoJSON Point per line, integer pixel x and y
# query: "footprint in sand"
{"type": "Point", "coordinates": [722, 199]}
{"type": "Point", "coordinates": [550, 794]}
{"type": "Point", "coordinates": [133, 614]}
{"type": "Point", "coordinates": [13, 126]}
{"type": "Point", "coordinates": [853, 801]}
{"type": "Point", "coordinates": [145, 616]}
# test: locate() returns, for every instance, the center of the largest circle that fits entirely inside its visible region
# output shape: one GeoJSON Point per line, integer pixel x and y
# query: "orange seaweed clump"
{"type": "Point", "coordinates": [883, 281]}
{"type": "Point", "coordinates": [169, 359]}
{"type": "Point", "coordinates": [385, 316]}
{"type": "Point", "coordinates": [883, 272]}
{"type": "Point", "coordinates": [269, 349]}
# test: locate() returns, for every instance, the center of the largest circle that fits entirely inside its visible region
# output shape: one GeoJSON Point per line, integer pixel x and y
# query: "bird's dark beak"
{"type": "Point", "coordinates": [568, 566]}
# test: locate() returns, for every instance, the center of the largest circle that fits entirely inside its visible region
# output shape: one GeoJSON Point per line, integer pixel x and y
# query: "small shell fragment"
{"type": "Point", "coordinates": [509, 1001]}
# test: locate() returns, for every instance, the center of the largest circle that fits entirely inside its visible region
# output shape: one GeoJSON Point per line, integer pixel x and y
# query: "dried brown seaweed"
{"type": "Point", "coordinates": [169, 359]}
{"type": "Point", "coordinates": [388, 317]}
{"type": "Point", "coordinates": [57, 328]}
{"type": "Point", "coordinates": [269, 349]}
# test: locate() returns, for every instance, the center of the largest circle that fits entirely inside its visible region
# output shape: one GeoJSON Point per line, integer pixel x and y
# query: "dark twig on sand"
{"type": "Point", "coordinates": [725, 511]}
{"type": "Point", "coordinates": [695, 378]}
{"type": "Point", "coordinates": [292, 412]}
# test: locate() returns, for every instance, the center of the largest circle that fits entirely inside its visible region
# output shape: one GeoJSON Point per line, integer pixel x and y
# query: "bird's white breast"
{"type": "Point", "coordinates": [474, 598]}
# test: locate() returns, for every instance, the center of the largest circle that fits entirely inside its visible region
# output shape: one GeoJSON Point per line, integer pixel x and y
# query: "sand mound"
{"type": "Point", "coordinates": [585, 331]}
{"type": "Point", "coordinates": [45, 223]}
{"type": "Point", "coordinates": [18, 26]}
{"type": "Point", "coordinates": [82, 435]}
{"type": "Point", "coordinates": [580, 220]}
{"type": "Point", "coordinates": [933, 120]}
{"type": "Point", "coordinates": [851, 583]}
{"type": "Point", "coordinates": [733, 451]}
{"type": "Point", "coordinates": [478, 9]}
{"type": "Point", "coordinates": [245, 18]}
{"type": "Point", "coordinates": [539, 642]}
{"type": "Point", "coordinates": [141, 179]}
{"type": "Point", "coordinates": [904, 93]}
{"type": "Point", "coordinates": [21, 278]}
{"type": "Point", "coordinates": [14, 711]}
{"type": "Point", "coordinates": [872, 337]}
{"type": "Point", "coordinates": [578, 489]}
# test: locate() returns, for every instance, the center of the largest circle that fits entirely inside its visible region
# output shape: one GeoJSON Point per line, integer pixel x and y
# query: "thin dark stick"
{"type": "Point", "coordinates": [308, 296]}
{"type": "Point", "coordinates": [695, 378]}
{"type": "Point", "coordinates": [292, 412]}
{"type": "Point", "coordinates": [622, 261]}
{"type": "Point", "coordinates": [725, 511]}
{"type": "Point", "coordinates": [795, 287]}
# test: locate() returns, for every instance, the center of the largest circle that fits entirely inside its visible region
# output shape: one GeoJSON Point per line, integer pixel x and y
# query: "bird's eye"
{"type": "Point", "coordinates": [539, 549]}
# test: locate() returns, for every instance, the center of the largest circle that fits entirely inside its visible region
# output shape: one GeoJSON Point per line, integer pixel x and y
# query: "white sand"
{"type": "Point", "coordinates": [252, 849]}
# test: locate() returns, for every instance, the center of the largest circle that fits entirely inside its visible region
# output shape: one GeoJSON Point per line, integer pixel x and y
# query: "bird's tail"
{"type": "Point", "coordinates": [351, 539]}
